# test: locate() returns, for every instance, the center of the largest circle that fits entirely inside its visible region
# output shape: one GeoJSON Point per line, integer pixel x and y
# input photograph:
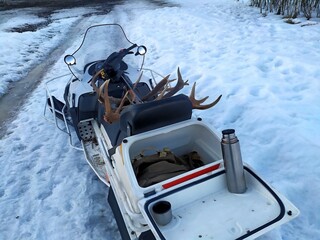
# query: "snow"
{"type": "Point", "coordinates": [26, 49]}
{"type": "Point", "coordinates": [267, 71]}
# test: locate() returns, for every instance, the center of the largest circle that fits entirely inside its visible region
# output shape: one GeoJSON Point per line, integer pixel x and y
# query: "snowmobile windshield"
{"type": "Point", "coordinates": [99, 42]}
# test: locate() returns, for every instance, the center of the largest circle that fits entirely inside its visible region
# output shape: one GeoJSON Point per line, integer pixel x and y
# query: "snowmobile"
{"type": "Point", "coordinates": [169, 175]}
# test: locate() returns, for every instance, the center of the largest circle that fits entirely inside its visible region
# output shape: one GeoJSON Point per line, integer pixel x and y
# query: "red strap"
{"type": "Point", "coordinates": [190, 176]}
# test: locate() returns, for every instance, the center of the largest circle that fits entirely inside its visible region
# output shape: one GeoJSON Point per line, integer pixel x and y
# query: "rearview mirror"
{"type": "Point", "coordinates": [70, 60]}
{"type": "Point", "coordinates": [141, 50]}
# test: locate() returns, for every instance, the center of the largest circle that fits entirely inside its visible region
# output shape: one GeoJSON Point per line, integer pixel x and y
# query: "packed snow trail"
{"type": "Point", "coordinates": [269, 85]}
{"type": "Point", "coordinates": [36, 52]}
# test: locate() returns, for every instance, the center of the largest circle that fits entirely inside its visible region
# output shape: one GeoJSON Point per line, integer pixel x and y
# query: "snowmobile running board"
{"type": "Point", "coordinates": [92, 150]}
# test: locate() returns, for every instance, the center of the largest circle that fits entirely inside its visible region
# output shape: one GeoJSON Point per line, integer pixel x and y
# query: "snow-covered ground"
{"type": "Point", "coordinates": [267, 71]}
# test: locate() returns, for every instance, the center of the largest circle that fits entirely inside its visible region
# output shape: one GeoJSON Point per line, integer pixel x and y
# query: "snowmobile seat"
{"type": "Point", "coordinates": [144, 117]}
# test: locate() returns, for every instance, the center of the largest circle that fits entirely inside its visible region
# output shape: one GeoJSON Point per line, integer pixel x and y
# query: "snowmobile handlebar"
{"type": "Point", "coordinates": [112, 65]}
{"type": "Point", "coordinates": [115, 58]}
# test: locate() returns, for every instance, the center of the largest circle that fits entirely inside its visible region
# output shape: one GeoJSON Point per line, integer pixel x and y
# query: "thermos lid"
{"type": "Point", "coordinates": [228, 131]}
{"type": "Point", "coordinates": [229, 136]}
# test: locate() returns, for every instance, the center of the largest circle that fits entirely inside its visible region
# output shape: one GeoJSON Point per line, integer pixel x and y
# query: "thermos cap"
{"type": "Point", "coordinates": [228, 131]}
{"type": "Point", "coordinates": [229, 136]}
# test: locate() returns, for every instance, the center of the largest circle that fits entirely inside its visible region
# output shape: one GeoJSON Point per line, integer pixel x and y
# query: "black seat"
{"type": "Point", "coordinates": [144, 117]}
{"type": "Point", "coordinates": [87, 106]}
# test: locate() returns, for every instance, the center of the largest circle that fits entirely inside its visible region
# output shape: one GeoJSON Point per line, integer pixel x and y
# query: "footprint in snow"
{"type": "Point", "coordinates": [17, 187]}
{"type": "Point", "coordinates": [278, 63]}
{"type": "Point", "coordinates": [255, 91]}
{"type": "Point", "coordinates": [263, 68]}
{"type": "Point", "coordinates": [44, 194]}
{"type": "Point", "coordinates": [67, 206]}
{"type": "Point", "coordinates": [30, 165]}
{"type": "Point", "coordinates": [18, 149]}
{"type": "Point", "coordinates": [43, 170]}
{"type": "Point", "coordinates": [36, 147]}
{"type": "Point", "coordinates": [35, 129]}
{"type": "Point", "coordinates": [234, 114]}
{"type": "Point", "coordinates": [25, 235]}
{"type": "Point", "coordinates": [300, 87]}
{"type": "Point", "coordinates": [2, 192]}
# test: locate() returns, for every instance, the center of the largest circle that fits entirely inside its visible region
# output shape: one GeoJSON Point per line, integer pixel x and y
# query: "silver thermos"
{"type": "Point", "coordinates": [233, 162]}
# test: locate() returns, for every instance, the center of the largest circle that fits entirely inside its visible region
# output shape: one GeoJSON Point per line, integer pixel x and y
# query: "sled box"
{"type": "Point", "coordinates": [181, 138]}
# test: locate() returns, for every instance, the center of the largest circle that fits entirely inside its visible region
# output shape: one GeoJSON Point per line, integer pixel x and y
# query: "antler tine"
{"type": "Point", "coordinates": [180, 84]}
{"type": "Point", "coordinates": [107, 105]}
{"type": "Point", "coordinates": [159, 87]}
{"type": "Point", "coordinates": [93, 85]}
{"type": "Point", "coordinates": [121, 103]}
{"type": "Point", "coordinates": [193, 93]}
{"type": "Point", "coordinates": [132, 96]}
{"type": "Point", "coordinates": [196, 104]}
{"type": "Point", "coordinates": [164, 90]}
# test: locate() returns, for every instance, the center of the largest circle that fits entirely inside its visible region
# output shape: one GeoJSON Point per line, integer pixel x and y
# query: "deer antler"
{"type": "Point", "coordinates": [196, 104]}
{"type": "Point", "coordinates": [159, 87]}
{"type": "Point", "coordinates": [109, 115]}
{"type": "Point", "coordinates": [171, 91]}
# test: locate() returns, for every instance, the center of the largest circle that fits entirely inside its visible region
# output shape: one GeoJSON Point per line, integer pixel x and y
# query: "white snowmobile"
{"type": "Point", "coordinates": [170, 176]}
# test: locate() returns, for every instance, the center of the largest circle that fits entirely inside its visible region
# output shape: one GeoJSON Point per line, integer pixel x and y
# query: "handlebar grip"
{"type": "Point", "coordinates": [132, 47]}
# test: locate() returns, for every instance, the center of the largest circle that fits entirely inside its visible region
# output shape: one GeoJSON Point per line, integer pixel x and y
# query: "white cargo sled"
{"type": "Point", "coordinates": [169, 175]}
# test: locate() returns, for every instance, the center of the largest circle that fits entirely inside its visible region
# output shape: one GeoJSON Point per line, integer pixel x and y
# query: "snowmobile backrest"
{"type": "Point", "coordinates": [144, 117]}
{"type": "Point", "coordinates": [142, 89]}
{"type": "Point", "coordinates": [87, 106]}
